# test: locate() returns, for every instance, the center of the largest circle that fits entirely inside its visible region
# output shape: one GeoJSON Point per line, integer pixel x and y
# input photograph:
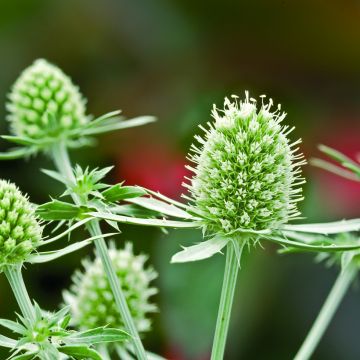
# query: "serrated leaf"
{"type": "Point", "coordinates": [66, 232]}
{"type": "Point", "coordinates": [326, 228]}
{"type": "Point", "coordinates": [97, 336]}
{"type": "Point", "coordinates": [145, 222]}
{"type": "Point", "coordinates": [80, 352]}
{"type": "Point", "coordinates": [59, 210]}
{"type": "Point", "coordinates": [118, 192]}
{"type": "Point", "coordinates": [201, 251]}
{"type": "Point", "coordinates": [161, 207]}
{"type": "Point", "coordinates": [13, 326]}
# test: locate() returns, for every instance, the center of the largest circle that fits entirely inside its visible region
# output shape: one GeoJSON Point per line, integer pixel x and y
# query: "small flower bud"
{"type": "Point", "coordinates": [44, 102]}
{"type": "Point", "coordinates": [20, 232]}
{"type": "Point", "coordinates": [91, 300]}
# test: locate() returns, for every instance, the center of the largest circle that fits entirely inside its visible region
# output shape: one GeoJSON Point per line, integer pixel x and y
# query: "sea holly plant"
{"type": "Point", "coordinates": [47, 114]}
{"type": "Point", "coordinates": [92, 303]}
{"type": "Point", "coordinates": [42, 335]}
{"type": "Point", "coordinates": [245, 188]}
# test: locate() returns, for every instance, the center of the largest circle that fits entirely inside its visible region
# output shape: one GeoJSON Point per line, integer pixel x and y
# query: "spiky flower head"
{"type": "Point", "coordinates": [247, 171]}
{"type": "Point", "coordinates": [20, 231]}
{"type": "Point", "coordinates": [45, 103]}
{"type": "Point", "coordinates": [91, 299]}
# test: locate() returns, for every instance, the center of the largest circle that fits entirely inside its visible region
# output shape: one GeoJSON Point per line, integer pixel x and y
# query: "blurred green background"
{"type": "Point", "coordinates": [174, 59]}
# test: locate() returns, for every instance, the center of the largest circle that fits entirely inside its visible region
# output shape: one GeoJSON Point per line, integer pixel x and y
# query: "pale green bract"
{"type": "Point", "coordinates": [246, 173]}
{"type": "Point", "coordinates": [91, 300]}
{"type": "Point", "coordinates": [45, 103]}
{"type": "Point", "coordinates": [20, 231]}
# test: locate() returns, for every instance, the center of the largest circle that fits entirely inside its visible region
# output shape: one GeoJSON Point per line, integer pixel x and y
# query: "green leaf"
{"type": "Point", "coordinates": [97, 336]}
{"type": "Point", "coordinates": [337, 170]}
{"type": "Point", "coordinates": [80, 352]}
{"type": "Point", "coordinates": [161, 207]}
{"type": "Point", "coordinates": [326, 228]}
{"type": "Point", "coordinates": [118, 192]}
{"type": "Point", "coordinates": [55, 175]}
{"type": "Point", "coordinates": [66, 232]}
{"type": "Point", "coordinates": [132, 210]}
{"type": "Point", "coordinates": [200, 251]}
{"type": "Point", "coordinates": [13, 326]}
{"type": "Point", "coordinates": [7, 342]}
{"type": "Point", "coordinates": [59, 210]}
{"type": "Point", "coordinates": [336, 155]}
{"type": "Point", "coordinates": [145, 222]}
{"type": "Point", "coordinates": [325, 247]}
{"type": "Point", "coordinates": [27, 356]}
{"type": "Point", "coordinates": [46, 256]}
{"type": "Point", "coordinates": [166, 199]}
{"type": "Point", "coordinates": [17, 153]}
{"type": "Point", "coordinates": [119, 125]}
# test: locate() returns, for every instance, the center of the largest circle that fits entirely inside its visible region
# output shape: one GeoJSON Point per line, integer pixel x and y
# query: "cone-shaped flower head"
{"type": "Point", "coordinates": [90, 297]}
{"type": "Point", "coordinates": [20, 231]}
{"type": "Point", "coordinates": [246, 172]}
{"type": "Point", "coordinates": [44, 102]}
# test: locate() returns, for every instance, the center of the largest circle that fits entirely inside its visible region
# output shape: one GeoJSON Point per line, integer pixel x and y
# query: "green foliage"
{"type": "Point", "coordinates": [20, 230]}
{"type": "Point", "coordinates": [47, 337]}
{"type": "Point", "coordinates": [91, 300]}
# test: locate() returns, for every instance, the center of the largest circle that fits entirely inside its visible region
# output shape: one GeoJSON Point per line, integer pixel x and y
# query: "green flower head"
{"type": "Point", "coordinates": [247, 172]}
{"type": "Point", "coordinates": [91, 299]}
{"type": "Point", "coordinates": [20, 231]}
{"type": "Point", "coordinates": [45, 103]}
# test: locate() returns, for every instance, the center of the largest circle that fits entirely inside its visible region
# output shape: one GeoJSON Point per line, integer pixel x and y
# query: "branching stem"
{"type": "Point", "coordinates": [63, 164]}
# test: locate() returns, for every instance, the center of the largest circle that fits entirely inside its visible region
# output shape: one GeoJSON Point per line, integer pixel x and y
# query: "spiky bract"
{"type": "Point", "coordinates": [45, 103]}
{"type": "Point", "coordinates": [20, 231]}
{"type": "Point", "coordinates": [91, 299]}
{"type": "Point", "coordinates": [247, 171]}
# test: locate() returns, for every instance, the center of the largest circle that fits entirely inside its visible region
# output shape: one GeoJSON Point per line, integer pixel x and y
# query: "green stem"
{"type": "Point", "coordinates": [327, 312]}
{"type": "Point", "coordinates": [16, 281]}
{"type": "Point", "coordinates": [63, 164]}
{"type": "Point", "coordinates": [226, 300]}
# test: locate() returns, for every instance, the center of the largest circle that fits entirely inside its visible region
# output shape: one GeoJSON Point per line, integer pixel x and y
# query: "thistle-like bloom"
{"type": "Point", "coordinates": [20, 231]}
{"type": "Point", "coordinates": [247, 172]}
{"type": "Point", "coordinates": [45, 103]}
{"type": "Point", "coordinates": [91, 299]}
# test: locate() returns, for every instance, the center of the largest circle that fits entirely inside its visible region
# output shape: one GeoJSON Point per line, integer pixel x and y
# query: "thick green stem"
{"type": "Point", "coordinates": [226, 300]}
{"type": "Point", "coordinates": [327, 312]}
{"type": "Point", "coordinates": [16, 281]}
{"type": "Point", "coordinates": [63, 164]}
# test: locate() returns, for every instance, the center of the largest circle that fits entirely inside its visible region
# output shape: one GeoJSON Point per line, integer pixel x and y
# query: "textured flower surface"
{"type": "Point", "coordinates": [90, 297]}
{"type": "Point", "coordinates": [247, 172]}
{"type": "Point", "coordinates": [20, 231]}
{"type": "Point", "coordinates": [44, 102]}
